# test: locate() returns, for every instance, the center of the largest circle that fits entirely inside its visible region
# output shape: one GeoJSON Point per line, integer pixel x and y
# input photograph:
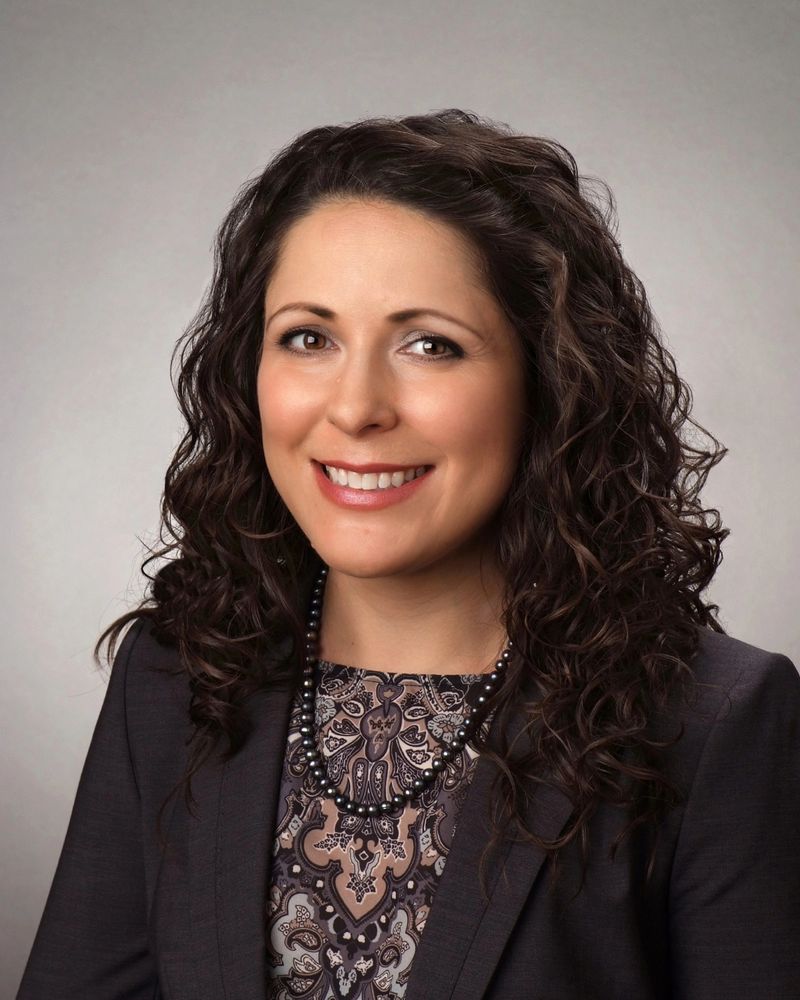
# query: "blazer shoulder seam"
{"type": "Point", "coordinates": [698, 767]}
{"type": "Point", "coordinates": [767, 665]}
{"type": "Point", "coordinates": [134, 634]}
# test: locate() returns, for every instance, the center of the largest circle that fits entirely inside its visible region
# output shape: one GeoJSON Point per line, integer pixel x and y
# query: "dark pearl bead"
{"type": "Point", "coordinates": [398, 800]}
{"type": "Point", "coordinates": [330, 791]}
{"type": "Point", "coordinates": [417, 784]}
{"type": "Point", "coordinates": [339, 800]}
{"type": "Point", "coordinates": [438, 764]}
{"type": "Point", "coordinates": [461, 733]}
{"type": "Point", "coordinates": [372, 810]}
{"type": "Point", "coordinates": [428, 773]}
{"type": "Point", "coordinates": [456, 745]}
{"type": "Point", "coordinates": [361, 810]}
{"type": "Point", "coordinates": [386, 806]}
{"type": "Point", "coordinates": [350, 806]}
{"type": "Point", "coordinates": [481, 699]}
{"type": "Point", "coordinates": [447, 754]}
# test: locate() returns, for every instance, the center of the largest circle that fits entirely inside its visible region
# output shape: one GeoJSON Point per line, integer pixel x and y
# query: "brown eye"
{"type": "Point", "coordinates": [307, 342]}
{"type": "Point", "coordinates": [429, 345]}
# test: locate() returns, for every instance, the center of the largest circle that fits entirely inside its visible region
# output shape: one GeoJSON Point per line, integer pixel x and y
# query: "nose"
{"type": "Point", "coordinates": [362, 394]}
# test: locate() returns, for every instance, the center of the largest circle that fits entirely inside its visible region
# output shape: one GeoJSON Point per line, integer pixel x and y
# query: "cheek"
{"type": "Point", "coordinates": [283, 408]}
{"type": "Point", "coordinates": [481, 422]}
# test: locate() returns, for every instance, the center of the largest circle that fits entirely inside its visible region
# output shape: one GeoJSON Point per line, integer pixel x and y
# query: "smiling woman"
{"type": "Point", "coordinates": [427, 701]}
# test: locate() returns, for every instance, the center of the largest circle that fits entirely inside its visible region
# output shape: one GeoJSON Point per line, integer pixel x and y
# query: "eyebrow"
{"type": "Point", "coordinates": [400, 316]}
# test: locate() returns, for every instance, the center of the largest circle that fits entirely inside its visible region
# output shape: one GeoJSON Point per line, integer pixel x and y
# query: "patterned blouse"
{"type": "Point", "coordinates": [349, 895]}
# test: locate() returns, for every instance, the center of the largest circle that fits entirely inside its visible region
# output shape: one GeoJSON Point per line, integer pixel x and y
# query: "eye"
{"type": "Point", "coordinates": [430, 340]}
{"type": "Point", "coordinates": [304, 332]}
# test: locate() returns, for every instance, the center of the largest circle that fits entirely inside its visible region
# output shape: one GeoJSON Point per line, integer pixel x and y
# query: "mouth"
{"type": "Point", "coordinates": [369, 490]}
{"type": "Point", "coordinates": [372, 477]}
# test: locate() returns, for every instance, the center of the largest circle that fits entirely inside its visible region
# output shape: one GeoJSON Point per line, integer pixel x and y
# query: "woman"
{"type": "Point", "coordinates": [428, 703]}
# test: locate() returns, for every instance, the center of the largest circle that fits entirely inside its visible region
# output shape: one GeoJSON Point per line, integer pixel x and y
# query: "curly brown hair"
{"type": "Point", "coordinates": [603, 512]}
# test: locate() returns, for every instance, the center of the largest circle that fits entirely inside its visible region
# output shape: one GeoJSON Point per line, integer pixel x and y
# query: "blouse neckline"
{"type": "Point", "coordinates": [365, 673]}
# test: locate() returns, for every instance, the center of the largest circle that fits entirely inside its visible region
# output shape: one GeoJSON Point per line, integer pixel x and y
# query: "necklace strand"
{"type": "Point", "coordinates": [449, 751]}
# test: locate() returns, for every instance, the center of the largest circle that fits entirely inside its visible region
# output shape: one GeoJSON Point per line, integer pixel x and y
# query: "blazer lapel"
{"type": "Point", "coordinates": [230, 850]}
{"type": "Point", "coordinates": [464, 936]}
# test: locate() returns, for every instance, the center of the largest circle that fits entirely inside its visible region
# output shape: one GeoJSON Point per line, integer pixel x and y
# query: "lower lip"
{"type": "Point", "coordinates": [345, 496]}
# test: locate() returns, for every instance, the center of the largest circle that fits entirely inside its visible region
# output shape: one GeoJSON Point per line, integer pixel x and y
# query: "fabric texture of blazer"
{"type": "Point", "coordinates": [719, 918]}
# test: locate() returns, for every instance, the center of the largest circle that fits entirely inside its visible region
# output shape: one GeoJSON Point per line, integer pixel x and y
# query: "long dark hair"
{"type": "Point", "coordinates": [603, 514]}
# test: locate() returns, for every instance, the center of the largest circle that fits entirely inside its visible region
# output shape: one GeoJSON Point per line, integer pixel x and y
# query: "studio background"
{"type": "Point", "coordinates": [127, 129]}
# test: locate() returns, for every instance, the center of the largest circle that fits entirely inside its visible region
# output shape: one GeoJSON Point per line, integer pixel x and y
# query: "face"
{"type": "Point", "coordinates": [349, 378]}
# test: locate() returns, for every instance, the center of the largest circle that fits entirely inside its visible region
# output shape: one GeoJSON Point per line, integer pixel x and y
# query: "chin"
{"type": "Point", "coordinates": [367, 565]}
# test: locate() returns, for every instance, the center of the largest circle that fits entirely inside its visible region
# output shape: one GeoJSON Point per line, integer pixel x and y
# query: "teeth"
{"type": "Point", "coordinates": [372, 480]}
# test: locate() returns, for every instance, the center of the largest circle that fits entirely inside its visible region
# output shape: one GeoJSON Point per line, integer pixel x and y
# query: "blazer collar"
{"type": "Point", "coordinates": [230, 850]}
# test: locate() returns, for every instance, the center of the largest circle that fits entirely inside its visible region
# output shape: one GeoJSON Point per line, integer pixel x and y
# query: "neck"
{"type": "Point", "coordinates": [443, 619]}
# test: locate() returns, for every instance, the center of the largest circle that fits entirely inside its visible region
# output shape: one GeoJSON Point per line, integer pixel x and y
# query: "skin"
{"type": "Point", "coordinates": [412, 586]}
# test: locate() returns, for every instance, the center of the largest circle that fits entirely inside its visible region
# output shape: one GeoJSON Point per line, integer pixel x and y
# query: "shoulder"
{"type": "Point", "coordinates": [156, 696]}
{"type": "Point", "coordinates": [743, 695]}
{"type": "Point", "coordinates": [151, 666]}
{"type": "Point", "coordinates": [726, 658]}
{"type": "Point", "coordinates": [736, 853]}
{"type": "Point", "coordinates": [724, 667]}
{"type": "Point", "coordinates": [157, 685]}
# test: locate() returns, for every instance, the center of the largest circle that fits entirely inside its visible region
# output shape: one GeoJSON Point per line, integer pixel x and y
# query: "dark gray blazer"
{"type": "Point", "coordinates": [719, 919]}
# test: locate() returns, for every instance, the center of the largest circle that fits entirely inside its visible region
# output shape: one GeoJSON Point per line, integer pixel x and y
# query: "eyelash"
{"type": "Point", "coordinates": [456, 350]}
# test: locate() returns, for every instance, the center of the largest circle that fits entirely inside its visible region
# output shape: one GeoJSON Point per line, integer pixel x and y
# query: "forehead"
{"type": "Point", "coordinates": [374, 245]}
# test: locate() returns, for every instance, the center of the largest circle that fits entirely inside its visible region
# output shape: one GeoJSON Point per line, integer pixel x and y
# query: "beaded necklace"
{"type": "Point", "coordinates": [448, 752]}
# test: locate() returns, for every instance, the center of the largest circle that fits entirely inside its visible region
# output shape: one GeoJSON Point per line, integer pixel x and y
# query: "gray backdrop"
{"type": "Point", "coordinates": [127, 129]}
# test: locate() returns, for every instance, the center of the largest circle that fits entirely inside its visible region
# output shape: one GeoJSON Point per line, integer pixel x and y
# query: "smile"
{"type": "Point", "coordinates": [372, 480]}
{"type": "Point", "coordinates": [369, 490]}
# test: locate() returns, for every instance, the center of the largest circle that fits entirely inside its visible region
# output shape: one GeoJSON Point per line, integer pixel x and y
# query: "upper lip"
{"type": "Point", "coordinates": [370, 466]}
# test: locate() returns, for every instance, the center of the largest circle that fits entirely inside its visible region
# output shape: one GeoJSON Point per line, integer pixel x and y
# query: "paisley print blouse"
{"type": "Point", "coordinates": [349, 895]}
